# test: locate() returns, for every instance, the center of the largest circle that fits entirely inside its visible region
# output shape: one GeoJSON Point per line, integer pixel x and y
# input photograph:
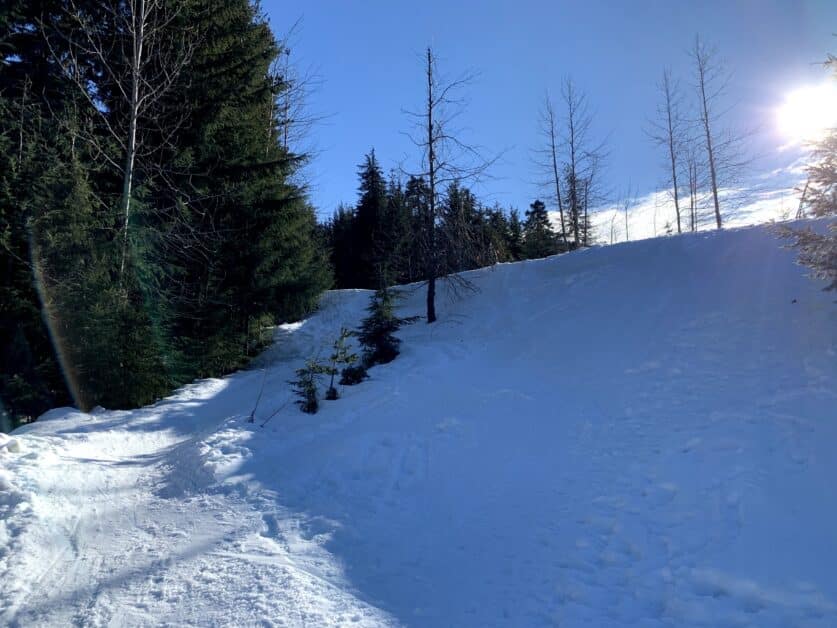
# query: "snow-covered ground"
{"type": "Point", "coordinates": [637, 435]}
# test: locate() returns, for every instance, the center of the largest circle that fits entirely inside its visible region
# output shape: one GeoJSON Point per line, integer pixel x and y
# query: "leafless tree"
{"type": "Point", "coordinates": [445, 159]}
{"type": "Point", "coordinates": [582, 157]}
{"type": "Point", "coordinates": [724, 148]}
{"type": "Point", "coordinates": [547, 158]}
{"type": "Point", "coordinates": [691, 164]}
{"type": "Point", "coordinates": [667, 130]}
{"type": "Point", "coordinates": [625, 204]}
{"type": "Point", "coordinates": [141, 54]}
{"type": "Point", "coordinates": [294, 87]}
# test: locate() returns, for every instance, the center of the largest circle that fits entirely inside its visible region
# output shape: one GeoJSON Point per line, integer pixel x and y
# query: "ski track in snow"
{"type": "Point", "coordinates": [640, 435]}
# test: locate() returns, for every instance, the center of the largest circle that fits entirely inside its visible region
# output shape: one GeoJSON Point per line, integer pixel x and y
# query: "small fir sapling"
{"type": "Point", "coordinates": [342, 355]}
{"type": "Point", "coordinates": [377, 330]}
{"type": "Point", "coordinates": [305, 386]}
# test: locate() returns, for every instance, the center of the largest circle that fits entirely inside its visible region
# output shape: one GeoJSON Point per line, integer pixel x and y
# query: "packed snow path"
{"type": "Point", "coordinates": [640, 435]}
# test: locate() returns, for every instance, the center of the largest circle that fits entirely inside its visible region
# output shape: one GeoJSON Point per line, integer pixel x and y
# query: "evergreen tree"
{"type": "Point", "coordinates": [377, 330]}
{"type": "Point", "coordinates": [341, 355]}
{"type": "Point", "coordinates": [538, 237]}
{"type": "Point", "coordinates": [372, 244]}
{"type": "Point", "coordinates": [222, 243]}
{"type": "Point", "coordinates": [497, 234]}
{"type": "Point", "coordinates": [305, 386]}
{"type": "Point", "coordinates": [239, 241]}
{"type": "Point", "coordinates": [514, 241]}
{"type": "Point", "coordinates": [339, 236]}
{"type": "Point", "coordinates": [352, 375]}
{"type": "Point", "coordinates": [416, 197]}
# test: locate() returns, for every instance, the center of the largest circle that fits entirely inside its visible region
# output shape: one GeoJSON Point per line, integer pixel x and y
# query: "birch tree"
{"type": "Point", "coordinates": [139, 48]}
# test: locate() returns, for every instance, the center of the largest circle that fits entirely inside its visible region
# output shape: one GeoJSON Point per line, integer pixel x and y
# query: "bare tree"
{"type": "Point", "coordinates": [547, 156]}
{"type": "Point", "coordinates": [724, 148]}
{"type": "Point", "coordinates": [667, 130]}
{"type": "Point", "coordinates": [445, 159]}
{"type": "Point", "coordinates": [141, 54]}
{"type": "Point", "coordinates": [625, 204]}
{"type": "Point", "coordinates": [581, 156]}
{"type": "Point", "coordinates": [290, 118]}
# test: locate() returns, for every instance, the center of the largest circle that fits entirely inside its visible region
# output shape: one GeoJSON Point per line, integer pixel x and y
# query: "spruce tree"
{"type": "Point", "coordinates": [372, 244]}
{"type": "Point", "coordinates": [223, 242]}
{"type": "Point", "coordinates": [377, 330]}
{"type": "Point", "coordinates": [305, 386]}
{"type": "Point", "coordinates": [239, 240]}
{"type": "Point", "coordinates": [514, 241]}
{"type": "Point", "coordinates": [340, 356]}
{"type": "Point", "coordinates": [539, 237]}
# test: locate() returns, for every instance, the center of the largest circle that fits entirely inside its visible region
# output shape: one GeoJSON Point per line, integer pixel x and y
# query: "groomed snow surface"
{"type": "Point", "coordinates": [638, 435]}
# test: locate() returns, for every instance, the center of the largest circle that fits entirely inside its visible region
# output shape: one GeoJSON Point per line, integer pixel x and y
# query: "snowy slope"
{"type": "Point", "coordinates": [638, 435]}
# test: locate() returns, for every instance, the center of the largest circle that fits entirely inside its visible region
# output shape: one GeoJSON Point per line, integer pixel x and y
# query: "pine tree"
{"type": "Point", "coordinates": [238, 240]}
{"type": "Point", "coordinates": [497, 235]}
{"type": "Point", "coordinates": [371, 242]}
{"type": "Point", "coordinates": [222, 242]}
{"type": "Point", "coordinates": [377, 330]}
{"type": "Point", "coordinates": [514, 241]}
{"type": "Point", "coordinates": [305, 386]}
{"type": "Point", "coordinates": [416, 197]}
{"type": "Point", "coordinates": [341, 356]}
{"type": "Point", "coordinates": [538, 236]}
{"type": "Point", "coordinates": [339, 236]}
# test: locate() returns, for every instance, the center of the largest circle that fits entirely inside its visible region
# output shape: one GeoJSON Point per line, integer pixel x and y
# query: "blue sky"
{"type": "Point", "coordinates": [367, 55]}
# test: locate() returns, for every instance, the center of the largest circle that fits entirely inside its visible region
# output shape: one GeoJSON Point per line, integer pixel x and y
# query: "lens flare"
{"type": "Point", "coordinates": [808, 113]}
{"type": "Point", "coordinates": [53, 321]}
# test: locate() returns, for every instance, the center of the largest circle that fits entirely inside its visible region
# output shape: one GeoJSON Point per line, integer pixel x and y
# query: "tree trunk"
{"type": "Point", "coordinates": [672, 154]}
{"type": "Point", "coordinates": [555, 175]}
{"type": "Point", "coordinates": [709, 149]}
{"type": "Point", "coordinates": [431, 222]}
{"type": "Point", "coordinates": [138, 25]}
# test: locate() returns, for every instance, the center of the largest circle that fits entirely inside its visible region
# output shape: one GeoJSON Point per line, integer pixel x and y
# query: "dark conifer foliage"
{"type": "Point", "coordinates": [220, 241]}
{"type": "Point", "coordinates": [341, 356]}
{"type": "Point", "coordinates": [387, 236]}
{"type": "Point", "coordinates": [514, 237]}
{"type": "Point", "coordinates": [352, 375]}
{"type": "Point", "coordinates": [305, 387]}
{"type": "Point", "coordinates": [539, 238]}
{"type": "Point", "coordinates": [377, 331]}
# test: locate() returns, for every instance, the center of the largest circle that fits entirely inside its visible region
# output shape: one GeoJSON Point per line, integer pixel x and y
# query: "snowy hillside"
{"type": "Point", "coordinates": [638, 435]}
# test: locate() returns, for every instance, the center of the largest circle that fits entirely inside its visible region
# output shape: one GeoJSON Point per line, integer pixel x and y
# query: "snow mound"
{"type": "Point", "coordinates": [9, 444]}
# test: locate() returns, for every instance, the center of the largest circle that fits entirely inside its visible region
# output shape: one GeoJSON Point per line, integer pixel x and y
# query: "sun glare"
{"type": "Point", "coordinates": [808, 112]}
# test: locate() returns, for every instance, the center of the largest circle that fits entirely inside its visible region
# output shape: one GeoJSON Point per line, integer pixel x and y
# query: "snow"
{"type": "Point", "coordinates": [637, 435]}
{"type": "Point", "coordinates": [8, 444]}
{"type": "Point", "coordinates": [650, 215]}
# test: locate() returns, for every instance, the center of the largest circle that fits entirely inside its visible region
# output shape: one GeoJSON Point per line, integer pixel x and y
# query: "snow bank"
{"type": "Point", "coordinates": [9, 444]}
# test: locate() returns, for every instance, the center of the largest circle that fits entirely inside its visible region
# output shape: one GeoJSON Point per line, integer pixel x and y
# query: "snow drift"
{"type": "Point", "coordinates": [638, 435]}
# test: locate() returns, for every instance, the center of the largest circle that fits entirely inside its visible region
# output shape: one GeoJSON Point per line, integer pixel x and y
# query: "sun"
{"type": "Point", "coordinates": [808, 113]}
